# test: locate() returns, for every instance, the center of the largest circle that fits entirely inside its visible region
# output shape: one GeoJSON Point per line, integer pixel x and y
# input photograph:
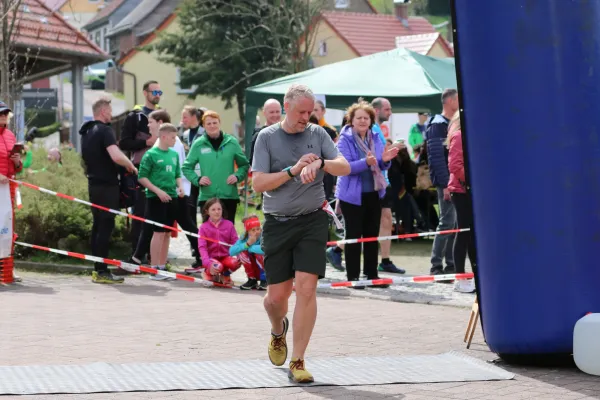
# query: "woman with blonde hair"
{"type": "Point", "coordinates": [360, 193]}
{"type": "Point", "coordinates": [464, 242]}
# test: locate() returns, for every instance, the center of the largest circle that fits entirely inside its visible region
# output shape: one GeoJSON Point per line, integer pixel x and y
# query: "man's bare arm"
{"type": "Point", "coordinates": [264, 182]}
{"type": "Point", "coordinates": [339, 166]}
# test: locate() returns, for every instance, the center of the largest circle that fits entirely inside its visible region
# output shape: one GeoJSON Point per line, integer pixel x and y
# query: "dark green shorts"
{"type": "Point", "coordinates": [296, 244]}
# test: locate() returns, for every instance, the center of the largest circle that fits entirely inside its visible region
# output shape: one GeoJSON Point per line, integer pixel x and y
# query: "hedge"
{"type": "Point", "coordinates": [54, 222]}
{"type": "Point", "coordinates": [39, 117]}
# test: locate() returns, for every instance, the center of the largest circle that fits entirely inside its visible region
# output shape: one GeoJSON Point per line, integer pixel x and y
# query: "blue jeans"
{"type": "Point", "coordinates": [443, 244]}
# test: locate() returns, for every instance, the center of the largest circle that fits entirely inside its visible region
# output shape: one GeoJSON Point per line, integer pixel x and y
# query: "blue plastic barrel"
{"type": "Point", "coordinates": [529, 73]}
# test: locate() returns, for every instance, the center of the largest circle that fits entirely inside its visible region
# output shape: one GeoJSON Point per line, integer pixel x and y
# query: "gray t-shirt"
{"type": "Point", "coordinates": [275, 150]}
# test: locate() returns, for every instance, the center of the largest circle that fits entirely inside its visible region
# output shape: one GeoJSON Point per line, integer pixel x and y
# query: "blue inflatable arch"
{"type": "Point", "coordinates": [529, 87]}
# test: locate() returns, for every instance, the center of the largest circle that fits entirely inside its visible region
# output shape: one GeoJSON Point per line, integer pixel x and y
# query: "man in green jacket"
{"type": "Point", "coordinates": [216, 153]}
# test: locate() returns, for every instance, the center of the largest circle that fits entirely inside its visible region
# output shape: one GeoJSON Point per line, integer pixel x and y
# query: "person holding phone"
{"type": "Point", "coordinates": [10, 160]}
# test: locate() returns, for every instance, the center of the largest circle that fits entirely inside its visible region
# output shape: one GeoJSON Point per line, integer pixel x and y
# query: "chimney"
{"type": "Point", "coordinates": [401, 9]}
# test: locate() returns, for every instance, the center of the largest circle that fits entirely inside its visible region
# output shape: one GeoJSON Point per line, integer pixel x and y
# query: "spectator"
{"type": "Point", "coordinates": [218, 264]}
{"type": "Point", "coordinates": [251, 254]}
{"type": "Point", "coordinates": [101, 156]}
{"type": "Point", "coordinates": [319, 112]}
{"type": "Point", "coordinates": [191, 118]}
{"type": "Point", "coordinates": [217, 153]}
{"type": "Point", "coordinates": [10, 162]}
{"type": "Point", "coordinates": [383, 112]}
{"type": "Point", "coordinates": [457, 186]}
{"type": "Point", "coordinates": [360, 193]}
{"type": "Point", "coordinates": [155, 120]}
{"type": "Point", "coordinates": [415, 136]}
{"type": "Point", "coordinates": [136, 140]}
{"type": "Point", "coordinates": [272, 113]}
{"type": "Point", "coordinates": [437, 155]}
{"type": "Point", "coordinates": [160, 174]}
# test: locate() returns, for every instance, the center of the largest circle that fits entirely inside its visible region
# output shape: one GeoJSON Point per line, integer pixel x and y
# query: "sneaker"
{"type": "Point", "coordinates": [449, 270]}
{"type": "Point", "coordinates": [391, 268]}
{"type": "Point", "coordinates": [196, 270]}
{"type": "Point", "coordinates": [250, 284]}
{"type": "Point", "coordinates": [105, 277]}
{"type": "Point", "coordinates": [278, 346]}
{"type": "Point", "coordinates": [298, 373]}
{"type": "Point", "coordinates": [17, 278]}
{"type": "Point", "coordinates": [263, 285]}
{"type": "Point", "coordinates": [464, 286]}
{"type": "Point", "coordinates": [335, 259]}
{"type": "Point", "coordinates": [158, 277]}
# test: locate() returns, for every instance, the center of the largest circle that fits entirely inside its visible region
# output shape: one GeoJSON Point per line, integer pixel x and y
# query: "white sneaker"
{"type": "Point", "coordinates": [464, 286]}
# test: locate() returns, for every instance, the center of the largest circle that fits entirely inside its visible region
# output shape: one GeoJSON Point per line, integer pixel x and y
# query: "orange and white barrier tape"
{"type": "Point", "coordinates": [396, 281]}
{"type": "Point", "coordinates": [117, 212]}
{"type": "Point", "coordinates": [126, 266]}
{"type": "Point", "coordinates": [405, 236]}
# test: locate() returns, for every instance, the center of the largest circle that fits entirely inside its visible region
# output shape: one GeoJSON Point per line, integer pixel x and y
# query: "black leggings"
{"type": "Point", "coordinates": [361, 222]}
{"type": "Point", "coordinates": [464, 242]}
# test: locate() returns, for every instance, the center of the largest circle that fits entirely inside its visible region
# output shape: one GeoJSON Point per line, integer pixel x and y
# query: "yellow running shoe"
{"type": "Point", "coordinates": [106, 277]}
{"type": "Point", "coordinates": [298, 372]}
{"type": "Point", "coordinates": [278, 346]}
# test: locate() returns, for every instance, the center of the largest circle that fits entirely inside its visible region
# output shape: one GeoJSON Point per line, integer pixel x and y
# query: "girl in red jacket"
{"type": "Point", "coordinates": [464, 242]}
{"type": "Point", "coordinates": [10, 165]}
{"type": "Point", "coordinates": [218, 264]}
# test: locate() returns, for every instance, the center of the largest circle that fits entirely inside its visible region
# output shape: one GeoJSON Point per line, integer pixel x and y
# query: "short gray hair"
{"type": "Point", "coordinates": [297, 91]}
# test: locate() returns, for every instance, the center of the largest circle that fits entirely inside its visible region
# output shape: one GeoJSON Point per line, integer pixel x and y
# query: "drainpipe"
{"type": "Point", "coordinates": [120, 69]}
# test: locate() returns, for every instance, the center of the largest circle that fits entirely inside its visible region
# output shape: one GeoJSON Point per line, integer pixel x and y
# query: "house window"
{"type": "Point", "coordinates": [97, 39]}
{"type": "Point", "coordinates": [181, 90]}
{"type": "Point", "coordinates": [105, 39]}
{"type": "Point", "coordinates": [322, 48]}
{"type": "Point", "coordinates": [342, 3]}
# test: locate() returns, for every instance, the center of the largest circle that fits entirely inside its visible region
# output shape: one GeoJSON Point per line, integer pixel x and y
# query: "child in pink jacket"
{"type": "Point", "coordinates": [218, 264]}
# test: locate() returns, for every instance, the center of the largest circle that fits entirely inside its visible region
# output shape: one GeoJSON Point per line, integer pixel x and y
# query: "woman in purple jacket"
{"type": "Point", "coordinates": [360, 193]}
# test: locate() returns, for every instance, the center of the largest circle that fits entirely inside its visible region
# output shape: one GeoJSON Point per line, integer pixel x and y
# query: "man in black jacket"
{"type": "Point", "coordinates": [136, 140]}
{"type": "Point", "coordinates": [101, 156]}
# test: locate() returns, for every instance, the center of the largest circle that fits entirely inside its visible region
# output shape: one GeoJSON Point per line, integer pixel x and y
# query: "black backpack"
{"type": "Point", "coordinates": [128, 185]}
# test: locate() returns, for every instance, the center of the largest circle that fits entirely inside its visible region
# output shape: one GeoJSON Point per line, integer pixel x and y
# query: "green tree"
{"type": "Point", "coordinates": [225, 46]}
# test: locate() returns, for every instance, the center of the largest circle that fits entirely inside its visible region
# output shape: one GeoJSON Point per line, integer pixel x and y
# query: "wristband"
{"type": "Point", "coordinates": [289, 171]}
{"type": "Point", "coordinates": [322, 163]}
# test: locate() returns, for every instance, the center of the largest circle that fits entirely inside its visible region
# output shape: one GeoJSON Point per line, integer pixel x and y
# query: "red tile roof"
{"type": "Point", "coordinates": [106, 11]}
{"type": "Point", "coordinates": [373, 33]}
{"type": "Point", "coordinates": [423, 43]}
{"type": "Point", "coordinates": [54, 4]}
{"type": "Point", "coordinates": [39, 27]}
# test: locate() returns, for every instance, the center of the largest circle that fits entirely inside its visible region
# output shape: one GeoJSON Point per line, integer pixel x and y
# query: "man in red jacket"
{"type": "Point", "coordinates": [10, 164]}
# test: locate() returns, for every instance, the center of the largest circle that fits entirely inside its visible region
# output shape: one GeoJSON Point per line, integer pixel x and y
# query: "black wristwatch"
{"type": "Point", "coordinates": [322, 163]}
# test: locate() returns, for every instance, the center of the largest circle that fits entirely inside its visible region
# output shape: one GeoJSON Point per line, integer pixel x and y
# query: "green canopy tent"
{"type": "Point", "coordinates": [411, 81]}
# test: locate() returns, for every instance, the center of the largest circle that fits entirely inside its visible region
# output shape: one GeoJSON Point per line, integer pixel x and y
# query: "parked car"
{"type": "Point", "coordinates": [95, 74]}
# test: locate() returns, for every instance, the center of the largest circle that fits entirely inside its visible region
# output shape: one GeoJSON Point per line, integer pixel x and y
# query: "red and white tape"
{"type": "Point", "coordinates": [405, 236]}
{"type": "Point", "coordinates": [126, 266]}
{"type": "Point", "coordinates": [396, 281]}
{"type": "Point", "coordinates": [117, 212]}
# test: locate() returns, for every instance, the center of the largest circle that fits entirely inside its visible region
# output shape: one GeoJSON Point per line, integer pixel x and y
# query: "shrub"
{"type": "Point", "coordinates": [48, 130]}
{"type": "Point", "coordinates": [48, 220]}
{"type": "Point", "coordinates": [39, 117]}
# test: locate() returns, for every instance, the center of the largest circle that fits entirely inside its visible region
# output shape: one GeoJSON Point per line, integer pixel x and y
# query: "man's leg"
{"type": "Point", "coordinates": [305, 312]}
{"type": "Point", "coordinates": [385, 229]}
{"type": "Point", "coordinates": [231, 208]}
{"type": "Point", "coordinates": [447, 221]}
{"type": "Point", "coordinates": [139, 208]}
{"type": "Point", "coordinates": [276, 304]}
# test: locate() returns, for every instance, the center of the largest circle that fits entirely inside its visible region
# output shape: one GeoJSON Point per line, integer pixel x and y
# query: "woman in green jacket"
{"type": "Point", "coordinates": [216, 152]}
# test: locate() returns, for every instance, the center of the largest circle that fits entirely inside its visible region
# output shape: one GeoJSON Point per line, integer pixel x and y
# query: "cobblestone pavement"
{"type": "Point", "coordinates": [58, 319]}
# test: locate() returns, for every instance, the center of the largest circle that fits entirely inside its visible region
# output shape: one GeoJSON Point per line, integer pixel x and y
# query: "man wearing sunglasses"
{"type": "Point", "coordinates": [136, 140]}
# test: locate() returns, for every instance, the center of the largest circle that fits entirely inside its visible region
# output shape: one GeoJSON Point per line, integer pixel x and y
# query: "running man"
{"type": "Point", "coordinates": [290, 159]}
